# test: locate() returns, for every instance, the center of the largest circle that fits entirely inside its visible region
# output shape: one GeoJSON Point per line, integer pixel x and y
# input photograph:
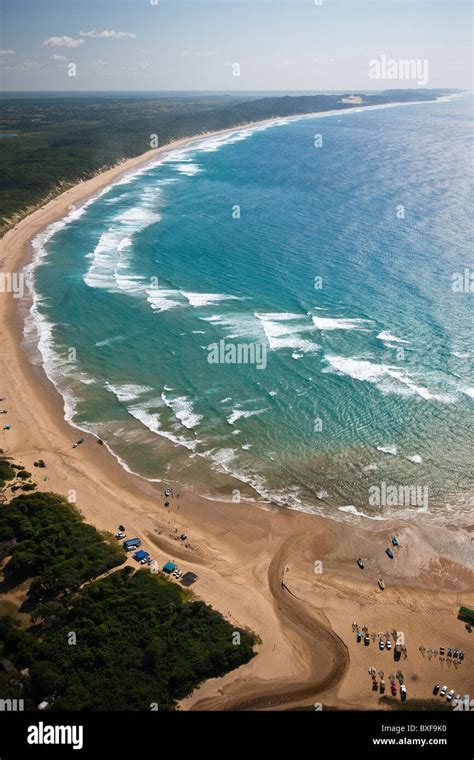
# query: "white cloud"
{"type": "Point", "coordinates": [107, 34]}
{"type": "Point", "coordinates": [59, 58]}
{"type": "Point", "coordinates": [63, 41]}
{"type": "Point", "coordinates": [7, 52]}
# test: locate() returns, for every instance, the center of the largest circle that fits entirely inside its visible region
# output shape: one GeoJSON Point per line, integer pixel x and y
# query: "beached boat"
{"type": "Point", "coordinates": [381, 584]}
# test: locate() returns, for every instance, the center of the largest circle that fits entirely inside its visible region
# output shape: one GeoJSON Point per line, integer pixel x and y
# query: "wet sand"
{"type": "Point", "coordinates": [256, 563]}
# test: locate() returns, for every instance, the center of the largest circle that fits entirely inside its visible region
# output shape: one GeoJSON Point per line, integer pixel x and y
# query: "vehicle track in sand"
{"type": "Point", "coordinates": [327, 655]}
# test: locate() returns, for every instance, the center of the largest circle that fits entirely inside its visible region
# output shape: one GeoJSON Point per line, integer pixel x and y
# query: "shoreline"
{"type": "Point", "coordinates": [256, 566]}
{"type": "Point", "coordinates": [148, 160]}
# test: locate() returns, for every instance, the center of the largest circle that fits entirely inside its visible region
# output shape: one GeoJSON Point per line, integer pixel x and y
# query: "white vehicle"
{"type": "Point", "coordinates": [450, 695]}
{"type": "Point", "coordinates": [403, 692]}
{"type": "Point", "coordinates": [443, 691]}
{"type": "Point", "coordinates": [389, 644]}
{"type": "Point", "coordinates": [381, 645]}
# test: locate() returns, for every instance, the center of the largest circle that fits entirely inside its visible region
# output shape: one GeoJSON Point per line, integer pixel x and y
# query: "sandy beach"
{"type": "Point", "coordinates": [290, 577]}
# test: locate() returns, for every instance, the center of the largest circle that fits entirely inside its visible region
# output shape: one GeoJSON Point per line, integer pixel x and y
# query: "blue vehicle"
{"type": "Point", "coordinates": [359, 636]}
{"type": "Point", "coordinates": [140, 555]}
{"type": "Point", "coordinates": [390, 553]}
{"type": "Point", "coordinates": [394, 541]}
{"type": "Point", "coordinates": [131, 543]}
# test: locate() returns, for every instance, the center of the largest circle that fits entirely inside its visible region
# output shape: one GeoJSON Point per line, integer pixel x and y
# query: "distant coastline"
{"type": "Point", "coordinates": [86, 193]}
{"type": "Point", "coordinates": [256, 566]}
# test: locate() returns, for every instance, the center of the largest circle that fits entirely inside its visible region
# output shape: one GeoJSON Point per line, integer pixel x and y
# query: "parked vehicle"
{"type": "Point", "coordinates": [436, 688]}
{"type": "Point", "coordinates": [381, 584]}
{"type": "Point", "coordinates": [450, 652]}
{"type": "Point", "coordinates": [359, 636]}
{"type": "Point", "coordinates": [389, 645]}
{"type": "Point", "coordinates": [461, 654]}
{"type": "Point", "coordinates": [450, 695]}
{"type": "Point", "coordinates": [367, 640]}
{"type": "Point", "coordinates": [389, 553]}
{"type": "Point", "coordinates": [443, 691]}
{"type": "Point", "coordinates": [403, 692]}
{"type": "Point", "coordinates": [360, 563]}
{"type": "Point", "coordinates": [441, 650]}
{"type": "Point", "coordinates": [394, 541]}
{"type": "Point", "coordinates": [393, 689]}
{"type": "Point", "coordinates": [381, 645]}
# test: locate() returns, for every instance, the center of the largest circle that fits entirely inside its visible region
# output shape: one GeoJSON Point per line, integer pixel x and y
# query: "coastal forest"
{"type": "Point", "coordinates": [53, 141]}
{"type": "Point", "coordinates": [98, 636]}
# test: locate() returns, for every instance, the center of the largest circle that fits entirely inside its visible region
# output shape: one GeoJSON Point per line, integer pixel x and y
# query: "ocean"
{"type": "Point", "coordinates": [281, 313]}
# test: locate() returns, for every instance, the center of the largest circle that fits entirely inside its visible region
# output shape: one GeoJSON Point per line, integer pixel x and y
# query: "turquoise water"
{"type": "Point", "coordinates": [365, 372]}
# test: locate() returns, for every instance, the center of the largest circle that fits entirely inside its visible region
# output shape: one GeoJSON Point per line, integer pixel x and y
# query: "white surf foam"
{"type": "Point", "coordinates": [340, 323]}
{"type": "Point", "coordinates": [388, 379]}
{"type": "Point", "coordinates": [161, 299]}
{"type": "Point", "coordinates": [238, 414]}
{"type": "Point", "coordinates": [206, 299]}
{"type": "Point", "coordinates": [182, 408]}
{"type": "Point", "coordinates": [129, 391]}
{"type": "Point", "coordinates": [351, 509]}
{"type": "Point", "coordinates": [388, 450]}
{"type": "Point", "coordinates": [283, 330]}
{"type": "Point", "coordinates": [385, 336]}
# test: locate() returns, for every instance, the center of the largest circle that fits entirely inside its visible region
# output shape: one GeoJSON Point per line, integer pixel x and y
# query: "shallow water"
{"type": "Point", "coordinates": [361, 377]}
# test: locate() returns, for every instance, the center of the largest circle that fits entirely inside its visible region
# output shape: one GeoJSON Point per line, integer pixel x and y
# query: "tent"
{"type": "Point", "coordinates": [169, 567]}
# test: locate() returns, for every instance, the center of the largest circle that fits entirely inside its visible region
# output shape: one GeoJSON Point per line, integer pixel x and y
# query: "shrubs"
{"type": "Point", "coordinates": [6, 472]}
{"type": "Point", "coordinates": [138, 642]}
{"type": "Point", "coordinates": [54, 546]}
{"type": "Point", "coordinates": [136, 639]}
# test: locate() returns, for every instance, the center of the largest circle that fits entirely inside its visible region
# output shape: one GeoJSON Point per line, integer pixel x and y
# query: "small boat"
{"type": "Point", "coordinates": [360, 563]}
{"type": "Point", "coordinates": [389, 553]}
{"type": "Point", "coordinates": [381, 584]}
{"type": "Point", "coordinates": [394, 541]}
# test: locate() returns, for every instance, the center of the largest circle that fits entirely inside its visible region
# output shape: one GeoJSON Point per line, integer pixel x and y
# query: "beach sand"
{"type": "Point", "coordinates": [256, 563]}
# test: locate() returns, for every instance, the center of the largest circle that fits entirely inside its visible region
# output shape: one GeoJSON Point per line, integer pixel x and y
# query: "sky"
{"type": "Point", "coordinates": [234, 45]}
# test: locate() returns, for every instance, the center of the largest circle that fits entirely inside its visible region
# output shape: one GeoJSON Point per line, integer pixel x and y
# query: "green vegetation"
{"type": "Point", "coordinates": [466, 614]}
{"type": "Point", "coordinates": [7, 472]}
{"type": "Point", "coordinates": [127, 641]}
{"type": "Point", "coordinates": [60, 140]}
{"type": "Point", "coordinates": [23, 474]}
{"type": "Point", "coordinates": [53, 546]}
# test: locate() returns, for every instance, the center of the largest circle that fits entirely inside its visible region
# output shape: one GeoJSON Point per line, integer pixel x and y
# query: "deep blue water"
{"type": "Point", "coordinates": [368, 370]}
